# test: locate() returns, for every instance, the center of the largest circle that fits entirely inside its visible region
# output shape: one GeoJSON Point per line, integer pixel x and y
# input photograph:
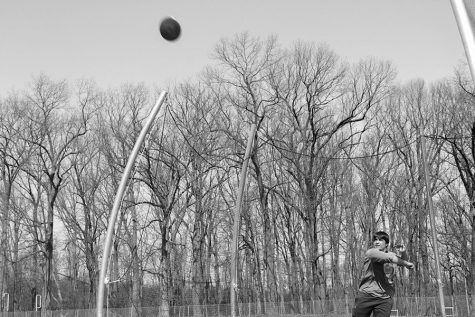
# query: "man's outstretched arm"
{"type": "Point", "coordinates": [376, 255]}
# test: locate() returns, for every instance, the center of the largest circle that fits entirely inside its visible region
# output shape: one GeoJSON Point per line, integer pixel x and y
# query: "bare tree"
{"type": "Point", "coordinates": [246, 63]}
{"type": "Point", "coordinates": [196, 117]}
{"type": "Point", "coordinates": [321, 102]}
{"type": "Point", "coordinates": [459, 135]}
{"type": "Point", "coordinates": [81, 212]}
{"type": "Point", "coordinates": [14, 154]}
{"type": "Point", "coordinates": [412, 114]}
{"type": "Point", "coordinates": [55, 130]}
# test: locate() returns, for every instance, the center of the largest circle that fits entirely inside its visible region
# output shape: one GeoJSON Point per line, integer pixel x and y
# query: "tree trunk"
{"type": "Point", "coordinates": [48, 253]}
{"type": "Point", "coordinates": [15, 251]}
{"type": "Point", "coordinates": [165, 277]}
{"type": "Point", "coordinates": [4, 233]}
{"type": "Point", "coordinates": [268, 247]}
{"type": "Point", "coordinates": [197, 238]}
{"type": "Point", "coordinates": [472, 262]}
{"type": "Point", "coordinates": [311, 238]}
{"type": "Point", "coordinates": [136, 272]}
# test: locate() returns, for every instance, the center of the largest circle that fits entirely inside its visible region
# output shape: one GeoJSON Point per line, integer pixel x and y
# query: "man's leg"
{"type": "Point", "coordinates": [364, 305]}
{"type": "Point", "coordinates": [383, 308]}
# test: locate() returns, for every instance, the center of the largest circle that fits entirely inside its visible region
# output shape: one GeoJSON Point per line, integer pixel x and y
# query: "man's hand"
{"type": "Point", "coordinates": [410, 265]}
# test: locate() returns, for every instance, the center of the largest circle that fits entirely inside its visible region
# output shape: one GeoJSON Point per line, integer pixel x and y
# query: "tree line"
{"type": "Point", "coordinates": [337, 156]}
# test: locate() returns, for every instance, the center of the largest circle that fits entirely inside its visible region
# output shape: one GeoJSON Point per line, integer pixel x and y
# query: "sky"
{"type": "Point", "coordinates": [116, 41]}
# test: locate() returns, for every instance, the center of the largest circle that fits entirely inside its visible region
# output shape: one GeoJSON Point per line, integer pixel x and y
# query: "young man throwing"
{"type": "Point", "coordinates": [376, 290]}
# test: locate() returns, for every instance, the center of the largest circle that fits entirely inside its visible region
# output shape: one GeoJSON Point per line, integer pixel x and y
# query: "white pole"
{"type": "Point", "coordinates": [117, 202]}
{"type": "Point", "coordinates": [107, 301]}
{"type": "Point", "coordinates": [432, 224]}
{"type": "Point", "coordinates": [465, 23]}
{"type": "Point", "coordinates": [466, 296]}
{"type": "Point", "coordinates": [237, 220]}
{"type": "Point", "coordinates": [6, 302]}
{"type": "Point", "coordinates": [37, 302]}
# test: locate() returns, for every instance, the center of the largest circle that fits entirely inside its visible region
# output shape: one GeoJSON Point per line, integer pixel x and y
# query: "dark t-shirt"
{"type": "Point", "coordinates": [378, 273]}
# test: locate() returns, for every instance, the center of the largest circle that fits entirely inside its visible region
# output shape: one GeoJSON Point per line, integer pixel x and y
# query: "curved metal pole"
{"type": "Point", "coordinates": [117, 203]}
{"type": "Point", "coordinates": [464, 12]}
{"type": "Point", "coordinates": [432, 224]}
{"type": "Point", "coordinates": [237, 219]}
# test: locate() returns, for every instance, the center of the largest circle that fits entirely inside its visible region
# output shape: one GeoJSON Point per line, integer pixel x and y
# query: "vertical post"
{"type": "Point", "coordinates": [466, 296]}
{"type": "Point", "coordinates": [117, 203]}
{"type": "Point", "coordinates": [464, 12]}
{"type": "Point", "coordinates": [432, 224]}
{"type": "Point", "coordinates": [37, 302]}
{"type": "Point", "coordinates": [237, 219]}
{"type": "Point", "coordinates": [6, 302]}
{"type": "Point", "coordinates": [107, 297]}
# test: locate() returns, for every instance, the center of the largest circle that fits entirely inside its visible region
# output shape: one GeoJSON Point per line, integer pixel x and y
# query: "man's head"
{"type": "Point", "coordinates": [381, 240]}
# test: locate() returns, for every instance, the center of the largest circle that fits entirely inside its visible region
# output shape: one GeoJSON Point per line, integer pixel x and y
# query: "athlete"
{"type": "Point", "coordinates": [376, 289]}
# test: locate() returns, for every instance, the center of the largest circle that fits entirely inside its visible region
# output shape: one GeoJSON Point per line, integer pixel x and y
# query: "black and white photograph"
{"type": "Point", "coordinates": [213, 158]}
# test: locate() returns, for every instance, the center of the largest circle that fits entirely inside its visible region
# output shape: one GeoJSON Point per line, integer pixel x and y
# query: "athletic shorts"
{"type": "Point", "coordinates": [366, 304]}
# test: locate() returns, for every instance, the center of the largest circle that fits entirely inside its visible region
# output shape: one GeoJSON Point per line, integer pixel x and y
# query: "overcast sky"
{"type": "Point", "coordinates": [117, 41]}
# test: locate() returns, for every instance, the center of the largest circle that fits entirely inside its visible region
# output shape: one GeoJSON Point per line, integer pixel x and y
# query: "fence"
{"type": "Point", "coordinates": [403, 306]}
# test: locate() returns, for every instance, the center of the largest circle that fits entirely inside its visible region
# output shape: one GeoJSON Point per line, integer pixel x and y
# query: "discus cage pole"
{"type": "Point", "coordinates": [118, 200]}
{"type": "Point", "coordinates": [433, 226]}
{"type": "Point", "coordinates": [237, 220]}
{"type": "Point", "coordinates": [464, 11]}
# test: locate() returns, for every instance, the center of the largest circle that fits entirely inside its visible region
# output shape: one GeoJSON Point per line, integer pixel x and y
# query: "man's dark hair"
{"type": "Point", "coordinates": [381, 235]}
